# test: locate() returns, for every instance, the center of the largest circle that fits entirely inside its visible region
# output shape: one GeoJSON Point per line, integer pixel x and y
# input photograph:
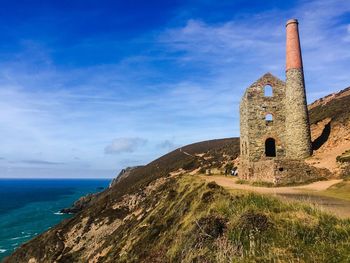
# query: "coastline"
{"type": "Point", "coordinates": [37, 206]}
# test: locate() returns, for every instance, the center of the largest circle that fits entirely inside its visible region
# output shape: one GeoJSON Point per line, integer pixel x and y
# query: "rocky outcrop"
{"type": "Point", "coordinates": [124, 173]}
{"type": "Point", "coordinates": [86, 200]}
{"type": "Point", "coordinates": [80, 204]}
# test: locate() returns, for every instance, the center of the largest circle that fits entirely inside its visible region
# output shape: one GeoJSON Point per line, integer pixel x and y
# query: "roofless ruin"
{"type": "Point", "coordinates": [274, 123]}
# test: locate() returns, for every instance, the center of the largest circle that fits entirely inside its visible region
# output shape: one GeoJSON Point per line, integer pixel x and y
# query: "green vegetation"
{"type": "Point", "coordinates": [256, 183]}
{"type": "Point", "coordinates": [262, 184]}
{"type": "Point", "coordinates": [201, 222]}
{"type": "Point", "coordinates": [344, 158]}
{"type": "Point", "coordinates": [270, 184]}
{"type": "Point", "coordinates": [340, 190]}
{"type": "Point", "coordinates": [242, 181]}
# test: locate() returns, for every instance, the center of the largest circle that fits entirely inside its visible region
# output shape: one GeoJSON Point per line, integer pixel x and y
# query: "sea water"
{"type": "Point", "coordinates": [28, 207]}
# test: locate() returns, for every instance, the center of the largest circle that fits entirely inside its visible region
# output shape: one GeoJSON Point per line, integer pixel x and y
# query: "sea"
{"type": "Point", "coordinates": [29, 207]}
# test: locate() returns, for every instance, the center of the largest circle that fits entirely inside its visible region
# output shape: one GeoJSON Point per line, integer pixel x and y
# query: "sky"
{"type": "Point", "coordinates": [90, 87]}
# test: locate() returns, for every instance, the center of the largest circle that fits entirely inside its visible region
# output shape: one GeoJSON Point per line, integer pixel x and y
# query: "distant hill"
{"type": "Point", "coordinates": [161, 212]}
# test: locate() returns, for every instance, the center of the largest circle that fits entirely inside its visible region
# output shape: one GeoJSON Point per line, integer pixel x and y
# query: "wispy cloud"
{"type": "Point", "coordinates": [241, 49]}
{"type": "Point", "coordinates": [124, 145]}
{"type": "Point", "coordinates": [167, 145]}
{"type": "Point", "coordinates": [40, 162]}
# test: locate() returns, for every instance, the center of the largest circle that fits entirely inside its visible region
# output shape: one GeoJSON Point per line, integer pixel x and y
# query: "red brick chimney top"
{"type": "Point", "coordinates": [293, 50]}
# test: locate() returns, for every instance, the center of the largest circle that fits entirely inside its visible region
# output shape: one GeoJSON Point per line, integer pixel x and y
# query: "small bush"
{"type": "Point", "coordinates": [241, 181]}
{"type": "Point", "coordinates": [213, 185]}
{"type": "Point", "coordinates": [190, 165]}
{"type": "Point", "coordinates": [211, 226]}
{"type": "Point", "coordinates": [263, 184]}
{"type": "Point", "coordinates": [171, 194]}
{"type": "Point", "coordinates": [208, 196]}
{"type": "Point", "coordinates": [344, 158]}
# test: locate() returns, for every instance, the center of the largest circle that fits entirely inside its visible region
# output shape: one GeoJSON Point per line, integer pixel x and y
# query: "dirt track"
{"type": "Point", "coordinates": [306, 193]}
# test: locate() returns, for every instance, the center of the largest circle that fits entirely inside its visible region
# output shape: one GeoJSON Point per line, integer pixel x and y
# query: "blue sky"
{"type": "Point", "coordinates": [89, 87]}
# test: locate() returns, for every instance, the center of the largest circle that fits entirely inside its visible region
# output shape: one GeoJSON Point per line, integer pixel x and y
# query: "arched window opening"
{"type": "Point", "coordinates": [270, 147]}
{"type": "Point", "coordinates": [269, 117]}
{"type": "Point", "coordinates": [268, 92]}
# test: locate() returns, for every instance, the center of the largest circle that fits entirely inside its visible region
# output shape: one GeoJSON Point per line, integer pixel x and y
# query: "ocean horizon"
{"type": "Point", "coordinates": [28, 207]}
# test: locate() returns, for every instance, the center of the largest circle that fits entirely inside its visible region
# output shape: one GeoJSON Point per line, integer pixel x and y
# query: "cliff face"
{"type": "Point", "coordinates": [330, 129]}
{"type": "Point", "coordinates": [162, 213]}
{"type": "Point", "coordinates": [123, 174]}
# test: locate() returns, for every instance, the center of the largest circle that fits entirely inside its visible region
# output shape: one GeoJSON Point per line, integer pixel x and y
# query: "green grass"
{"type": "Point", "coordinates": [340, 190]}
{"type": "Point", "coordinates": [262, 184]}
{"type": "Point", "coordinates": [188, 220]}
{"type": "Point", "coordinates": [344, 158]}
{"type": "Point", "coordinates": [210, 224]}
{"type": "Point", "coordinates": [255, 183]}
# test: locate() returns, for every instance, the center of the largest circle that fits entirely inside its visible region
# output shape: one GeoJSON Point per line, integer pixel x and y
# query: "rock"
{"type": "Point", "coordinates": [86, 200]}
{"type": "Point", "coordinates": [123, 174]}
{"type": "Point", "coordinates": [80, 204]}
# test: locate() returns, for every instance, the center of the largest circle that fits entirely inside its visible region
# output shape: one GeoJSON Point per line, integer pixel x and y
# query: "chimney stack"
{"type": "Point", "coordinates": [298, 136]}
{"type": "Point", "coordinates": [293, 50]}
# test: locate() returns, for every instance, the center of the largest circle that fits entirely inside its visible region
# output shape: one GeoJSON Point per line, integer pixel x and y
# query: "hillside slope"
{"type": "Point", "coordinates": [182, 219]}
{"type": "Point", "coordinates": [104, 209]}
{"type": "Point", "coordinates": [330, 129]}
{"type": "Point", "coordinates": [160, 213]}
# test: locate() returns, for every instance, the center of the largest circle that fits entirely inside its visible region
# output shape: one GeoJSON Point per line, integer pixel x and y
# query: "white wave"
{"type": "Point", "coordinates": [15, 238]}
{"type": "Point", "coordinates": [3, 250]}
{"type": "Point", "coordinates": [58, 213]}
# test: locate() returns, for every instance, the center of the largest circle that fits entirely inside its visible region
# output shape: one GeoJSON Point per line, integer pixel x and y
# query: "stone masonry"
{"type": "Point", "coordinates": [297, 120]}
{"type": "Point", "coordinates": [274, 127]}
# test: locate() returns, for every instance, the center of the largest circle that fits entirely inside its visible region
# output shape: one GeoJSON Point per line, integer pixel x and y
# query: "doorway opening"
{"type": "Point", "coordinates": [270, 147]}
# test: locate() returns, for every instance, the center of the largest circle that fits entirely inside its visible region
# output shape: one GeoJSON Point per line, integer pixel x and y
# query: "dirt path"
{"type": "Point", "coordinates": [230, 182]}
{"type": "Point", "coordinates": [306, 193]}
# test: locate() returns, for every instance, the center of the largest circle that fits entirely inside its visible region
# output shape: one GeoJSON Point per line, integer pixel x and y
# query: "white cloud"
{"type": "Point", "coordinates": [241, 50]}
{"type": "Point", "coordinates": [167, 145]}
{"type": "Point", "coordinates": [347, 34]}
{"type": "Point", "coordinates": [124, 145]}
{"type": "Point", "coordinates": [40, 162]}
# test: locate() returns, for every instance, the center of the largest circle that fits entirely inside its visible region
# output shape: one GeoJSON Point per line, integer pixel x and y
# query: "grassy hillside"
{"type": "Point", "coordinates": [175, 160]}
{"type": "Point", "coordinates": [183, 219]}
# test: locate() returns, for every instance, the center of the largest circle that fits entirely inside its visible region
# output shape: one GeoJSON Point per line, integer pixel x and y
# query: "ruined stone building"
{"type": "Point", "coordinates": [274, 123]}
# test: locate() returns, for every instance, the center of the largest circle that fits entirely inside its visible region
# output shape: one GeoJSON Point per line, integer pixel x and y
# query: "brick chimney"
{"type": "Point", "coordinates": [298, 136]}
{"type": "Point", "coordinates": [293, 50]}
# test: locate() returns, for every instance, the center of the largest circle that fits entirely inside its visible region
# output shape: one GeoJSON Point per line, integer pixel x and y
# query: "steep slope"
{"type": "Point", "coordinates": [104, 207]}
{"type": "Point", "coordinates": [182, 219]}
{"type": "Point", "coordinates": [330, 129]}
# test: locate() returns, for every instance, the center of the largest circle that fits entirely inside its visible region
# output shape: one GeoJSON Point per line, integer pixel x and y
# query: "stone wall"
{"type": "Point", "coordinates": [289, 129]}
{"type": "Point", "coordinates": [283, 172]}
{"type": "Point", "coordinates": [255, 129]}
{"type": "Point", "coordinates": [298, 136]}
{"type": "Point", "coordinates": [268, 144]}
